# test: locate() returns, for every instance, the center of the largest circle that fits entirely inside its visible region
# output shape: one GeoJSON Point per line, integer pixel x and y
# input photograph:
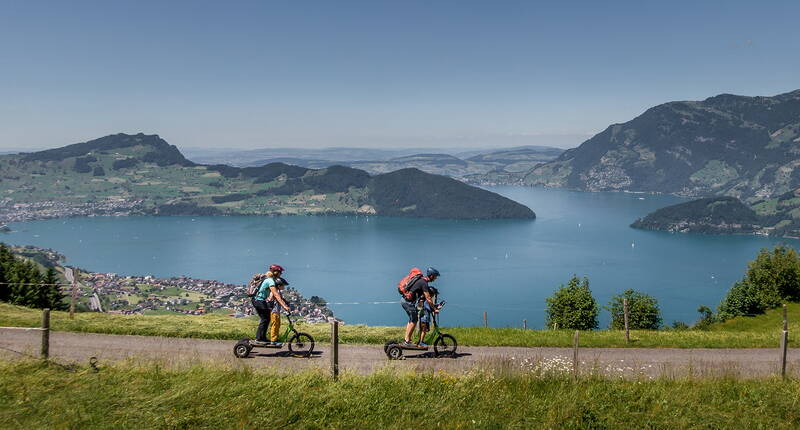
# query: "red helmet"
{"type": "Point", "coordinates": [275, 268]}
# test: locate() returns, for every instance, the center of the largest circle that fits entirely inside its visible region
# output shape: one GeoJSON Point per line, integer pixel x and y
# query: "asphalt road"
{"type": "Point", "coordinates": [363, 359]}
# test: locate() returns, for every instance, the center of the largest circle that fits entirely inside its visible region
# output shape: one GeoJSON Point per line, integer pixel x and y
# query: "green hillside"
{"type": "Point", "coordinates": [778, 216]}
{"type": "Point", "coordinates": [731, 145]}
{"type": "Point", "coordinates": [144, 175]}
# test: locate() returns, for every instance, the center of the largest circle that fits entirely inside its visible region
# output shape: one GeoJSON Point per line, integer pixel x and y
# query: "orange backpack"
{"type": "Point", "coordinates": [405, 284]}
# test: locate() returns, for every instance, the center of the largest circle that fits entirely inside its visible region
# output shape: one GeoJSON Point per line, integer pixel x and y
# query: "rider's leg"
{"type": "Point", "coordinates": [411, 310]}
{"type": "Point", "coordinates": [409, 331]}
{"type": "Point", "coordinates": [423, 330]}
{"type": "Point", "coordinates": [274, 326]}
{"type": "Point", "coordinates": [263, 322]}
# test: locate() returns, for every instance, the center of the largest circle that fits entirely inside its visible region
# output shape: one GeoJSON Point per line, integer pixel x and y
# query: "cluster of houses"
{"type": "Point", "coordinates": [19, 212]}
{"type": "Point", "coordinates": [150, 295]}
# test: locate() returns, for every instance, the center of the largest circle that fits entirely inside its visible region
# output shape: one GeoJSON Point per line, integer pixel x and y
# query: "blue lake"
{"type": "Point", "coordinates": [506, 268]}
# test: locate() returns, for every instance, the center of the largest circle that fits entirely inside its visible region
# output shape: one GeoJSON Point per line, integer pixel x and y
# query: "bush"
{"type": "Point", "coordinates": [572, 306]}
{"type": "Point", "coordinates": [772, 279]}
{"type": "Point", "coordinates": [643, 311]}
{"type": "Point", "coordinates": [707, 318]}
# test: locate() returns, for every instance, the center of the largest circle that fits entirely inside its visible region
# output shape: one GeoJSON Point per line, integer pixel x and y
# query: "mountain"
{"type": "Point", "coordinates": [142, 174]}
{"type": "Point", "coordinates": [778, 216]}
{"type": "Point", "coordinates": [515, 160]}
{"type": "Point", "coordinates": [730, 145]}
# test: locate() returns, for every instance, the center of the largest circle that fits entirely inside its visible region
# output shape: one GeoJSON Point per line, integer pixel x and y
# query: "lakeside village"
{"type": "Point", "coordinates": [19, 212]}
{"type": "Point", "coordinates": [139, 294]}
{"type": "Point", "coordinates": [144, 295]}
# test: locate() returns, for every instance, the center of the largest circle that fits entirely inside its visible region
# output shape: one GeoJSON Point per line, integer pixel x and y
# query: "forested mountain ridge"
{"type": "Point", "coordinates": [142, 174]}
{"type": "Point", "coordinates": [747, 147]}
{"type": "Point", "coordinates": [778, 216]}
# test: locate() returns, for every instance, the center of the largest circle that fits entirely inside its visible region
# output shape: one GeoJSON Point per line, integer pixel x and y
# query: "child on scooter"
{"type": "Point", "coordinates": [425, 316]}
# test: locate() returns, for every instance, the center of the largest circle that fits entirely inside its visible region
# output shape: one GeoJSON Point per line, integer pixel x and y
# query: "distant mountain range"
{"type": "Point", "coordinates": [746, 147]}
{"type": "Point", "coordinates": [143, 174]}
{"type": "Point", "coordinates": [459, 164]}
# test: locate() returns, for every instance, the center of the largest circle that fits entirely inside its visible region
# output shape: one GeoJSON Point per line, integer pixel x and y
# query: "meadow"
{"type": "Point", "coordinates": [742, 332]}
{"type": "Point", "coordinates": [36, 394]}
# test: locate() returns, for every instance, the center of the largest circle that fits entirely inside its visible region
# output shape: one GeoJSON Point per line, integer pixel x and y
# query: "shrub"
{"type": "Point", "coordinates": [572, 306]}
{"type": "Point", "coordinates": [643, 311]}
{"type": "Point", "coordinates": [707, 318]}
{"type": "Point", "coordinates": [772, 279]}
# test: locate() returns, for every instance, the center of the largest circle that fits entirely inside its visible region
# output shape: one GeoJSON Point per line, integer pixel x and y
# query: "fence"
{"type": "Point", "coordinates": [44, 352]}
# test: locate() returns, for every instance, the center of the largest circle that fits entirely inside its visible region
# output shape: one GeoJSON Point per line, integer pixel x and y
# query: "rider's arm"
{"type": "Point", "coordinates": [430, 301]}
{"type": "Point", "coordinates": [277, 295]}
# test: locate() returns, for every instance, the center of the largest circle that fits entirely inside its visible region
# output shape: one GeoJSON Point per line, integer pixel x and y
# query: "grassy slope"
{"type": "Point", "coordinates": [38, 395]}
{"type": "Point", "coordinates": [757, 332]}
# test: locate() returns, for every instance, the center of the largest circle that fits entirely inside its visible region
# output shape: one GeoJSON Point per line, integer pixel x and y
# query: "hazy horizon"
{"type": "Point", "coordinates": [374, 74]}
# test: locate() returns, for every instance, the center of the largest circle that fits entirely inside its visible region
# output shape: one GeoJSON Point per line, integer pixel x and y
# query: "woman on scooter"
{"type": "Point", "coordinates": [263, 306]}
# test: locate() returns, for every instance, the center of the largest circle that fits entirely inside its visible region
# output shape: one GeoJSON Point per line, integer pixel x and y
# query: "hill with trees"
{"type": "Point", "coordinates": [143, 175]}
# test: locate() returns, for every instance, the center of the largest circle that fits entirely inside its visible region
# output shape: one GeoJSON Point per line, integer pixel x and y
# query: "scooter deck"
{"type": "Point", "coordinates": [414, 348]}
{"type": "Point", "coordinates": [267, 346]}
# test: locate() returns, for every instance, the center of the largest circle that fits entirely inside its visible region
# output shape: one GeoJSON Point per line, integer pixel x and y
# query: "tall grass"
{"type": "Point", "coordinates": [39, 395]}
{"type": "Point", "coordinates": [744, 332]}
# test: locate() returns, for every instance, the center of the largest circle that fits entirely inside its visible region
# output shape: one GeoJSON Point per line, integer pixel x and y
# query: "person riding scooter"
{"type": "Point", "coordinates": [426, 315]}
{"type": "Point", "coordinates": [263, 306]}
{"type": "Point", "coordinates": [419, 290]}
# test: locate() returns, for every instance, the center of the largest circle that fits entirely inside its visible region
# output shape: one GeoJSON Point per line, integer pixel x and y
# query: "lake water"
{"type": "Point", "coordinates": [506, 268]}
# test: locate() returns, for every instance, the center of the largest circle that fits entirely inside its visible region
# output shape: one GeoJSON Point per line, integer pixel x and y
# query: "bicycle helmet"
{"type": "Point", "coordinates": [280, 281]}
{"type": "Point", "coordinates": [275, 268]}
{"type": "Point", "coordinates": [432, 272]}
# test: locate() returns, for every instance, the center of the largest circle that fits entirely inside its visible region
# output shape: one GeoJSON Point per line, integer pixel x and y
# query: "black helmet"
{"type": "Point", "coordinates": [432, 272]}
{"type": "Point", "coordinates": [281, 282]}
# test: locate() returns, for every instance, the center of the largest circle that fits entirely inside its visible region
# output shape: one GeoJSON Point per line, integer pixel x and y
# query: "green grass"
{"type": "Point", "coordinates": [40, 395]}
{"type": "Point", "coordinates": [743, 332]}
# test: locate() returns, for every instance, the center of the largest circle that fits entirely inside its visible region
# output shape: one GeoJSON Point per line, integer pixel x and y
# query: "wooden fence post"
{"type": "Point", "coordinates": [625, 311]}
{"type": "Point", "coordinates": [335, 349]}
{"type": "Point", "coordinates": [45, 352]}
{"type": "Point", "coordinates": [524, 324]}
{"type": "Point", "coordinates": [784, 342]}
{"type": "Point", "coordinates": [485, 320]}
{"type": "Point", "coordinates": [575, 355]}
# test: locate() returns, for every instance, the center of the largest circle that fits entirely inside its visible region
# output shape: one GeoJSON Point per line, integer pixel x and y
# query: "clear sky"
{"type": "Point", "coordinates": [375, 73]}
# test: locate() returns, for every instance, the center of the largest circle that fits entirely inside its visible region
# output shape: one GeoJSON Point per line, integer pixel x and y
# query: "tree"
{"type": "Point", "coordinates": [643, 311]}
{"type": "Point", "coordinates": [772, 279]}
{"type": "Point", "coordinates": [572, 306]}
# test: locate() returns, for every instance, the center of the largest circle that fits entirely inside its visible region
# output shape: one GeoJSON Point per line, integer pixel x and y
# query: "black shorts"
{"type": "Point", "coordinates": [411, 310]}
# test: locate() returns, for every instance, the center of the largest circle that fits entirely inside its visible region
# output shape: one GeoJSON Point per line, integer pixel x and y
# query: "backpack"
{"type": "Point", "coordinates": [255, 284]}
{"type": "Point", "coordinates": [405, 284]}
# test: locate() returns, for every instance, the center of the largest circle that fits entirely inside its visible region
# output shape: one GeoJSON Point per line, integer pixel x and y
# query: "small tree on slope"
{"type": "Point", "coordinates": [572, 306]}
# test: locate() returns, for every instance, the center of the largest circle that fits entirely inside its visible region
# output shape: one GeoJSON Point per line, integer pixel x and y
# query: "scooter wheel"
{"type": "Point", "coordinates": [394, 352]}
{"type": "Point", "coordinates": [388, 344]}
{"type": "Point", "coordinates": [242, 349]}
{"type": "Point", "coordinates": [301, 345]}
{"type": "Point", "coordinates": [445, 345]}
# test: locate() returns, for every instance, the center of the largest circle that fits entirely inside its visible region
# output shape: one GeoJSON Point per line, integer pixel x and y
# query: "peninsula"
{"type": "Point", "coordinates": [142, 174]}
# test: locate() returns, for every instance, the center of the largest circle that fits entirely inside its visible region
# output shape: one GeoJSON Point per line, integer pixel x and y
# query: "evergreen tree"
{"type": "Point", "coordinates": [572, 306]}
{"type": "Point", "coordinates": [54, 297]}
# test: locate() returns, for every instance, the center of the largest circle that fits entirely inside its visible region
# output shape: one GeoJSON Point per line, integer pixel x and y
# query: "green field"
{"type": "Point", "coordinates": [742, 332]}
{"type": "Point", "coordinates": [37, 394]}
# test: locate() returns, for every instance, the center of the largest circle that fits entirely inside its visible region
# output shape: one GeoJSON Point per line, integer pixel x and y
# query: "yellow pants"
{"type": "Point", "coordinates": [274, 326]}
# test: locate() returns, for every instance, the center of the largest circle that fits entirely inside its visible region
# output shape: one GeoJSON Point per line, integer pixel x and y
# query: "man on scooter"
{"type": "Point", "coordinates": [419, 289]}
{"type": "Point", "coordinates": [264, 306]}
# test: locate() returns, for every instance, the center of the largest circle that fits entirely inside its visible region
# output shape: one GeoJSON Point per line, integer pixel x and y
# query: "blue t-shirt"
{"type": "Point", "coordinates": [263, 290]}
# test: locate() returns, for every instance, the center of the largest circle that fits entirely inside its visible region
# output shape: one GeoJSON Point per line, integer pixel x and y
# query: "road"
{"type": "Point", "coordinates": [365, 359]}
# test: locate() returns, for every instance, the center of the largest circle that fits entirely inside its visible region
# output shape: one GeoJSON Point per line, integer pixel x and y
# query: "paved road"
{"type": "Point", "coordinates": [363, 359]}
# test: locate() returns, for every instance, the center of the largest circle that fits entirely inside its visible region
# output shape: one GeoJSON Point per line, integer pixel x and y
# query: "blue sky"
{"type": "Point", "coordinates": [375, 73]}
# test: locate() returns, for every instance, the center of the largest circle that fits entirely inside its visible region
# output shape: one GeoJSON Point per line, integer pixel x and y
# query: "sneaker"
{"type": "Point", "coordinates": [259, 343]}
{"type": "Point", "coordinates": [407, 344]}
{"type": "Point", "coordinates": [276, 343]}
{"type": "Point", "coordinates": [422, 345]}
